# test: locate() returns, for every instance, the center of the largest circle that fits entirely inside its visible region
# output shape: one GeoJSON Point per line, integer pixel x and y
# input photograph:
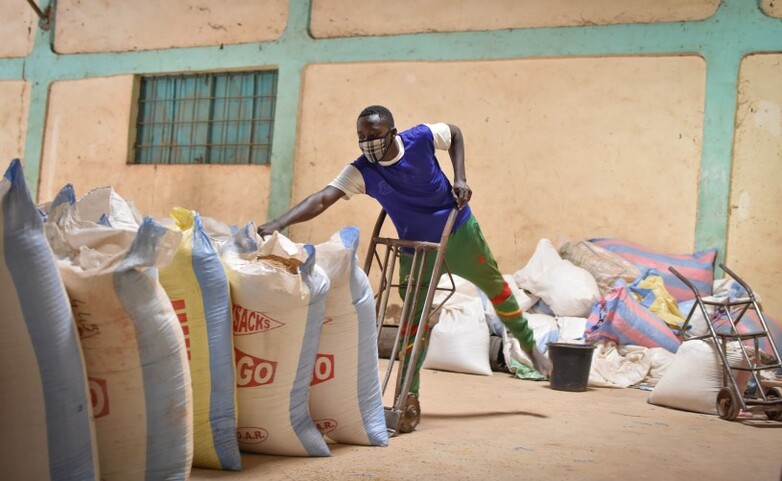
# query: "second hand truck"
{"type": "Point", "coordinates": [731, 400]}
{"type": "Point", "coordinates": [400, 414]}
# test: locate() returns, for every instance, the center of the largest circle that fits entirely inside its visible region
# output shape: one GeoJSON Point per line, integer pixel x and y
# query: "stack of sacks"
{"type": "Point", "coordinates": [631, 312]}
{"type": "Point", "coordinates": [48, 431]}
{"type": "Point", "coordinates": [345, 398]}
{"type": "Point", "coordinates": [645, 311]}
{"type": "Point", "coordinates": [279, 300]}
{"type": "Point", "coordinates": [133, 344]}
{"type": "Point", "coordinates": [197, 286]}
{"type": "Point", "coordinates": [566, 292]}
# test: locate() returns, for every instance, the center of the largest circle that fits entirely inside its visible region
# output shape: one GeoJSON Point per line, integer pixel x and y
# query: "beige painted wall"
{"type": "Point", "coordinates": [118, 25]}
{"type": "Point", "coordinates": [347, 18]}
{"type": "Point", "coordinates": [772, 8]}
{"type": "Point", "coordinates": [16, 22]}
{"type": "Point", "coordinates": [86, 143]}
{"type": "Point", "coordinates": [755, 226]}
{"type": "Point", "coordinates": [576, 147]}
{"type": "Point", "coordinates": [14, 105]}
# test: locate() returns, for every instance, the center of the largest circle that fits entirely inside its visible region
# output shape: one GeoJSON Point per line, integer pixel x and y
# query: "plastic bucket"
{"type": "Point", "coordinates": [570, 365]}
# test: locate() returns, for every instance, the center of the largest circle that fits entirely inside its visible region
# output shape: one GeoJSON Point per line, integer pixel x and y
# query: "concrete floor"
{"type": "Point", "coordinates": [500, 428]}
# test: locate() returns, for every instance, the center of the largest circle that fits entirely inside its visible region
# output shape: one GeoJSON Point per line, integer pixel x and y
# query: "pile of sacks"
{"type": "Point", "coordinates": [139, 347]}
{"type": "Point", "coordinates": [614, 294]}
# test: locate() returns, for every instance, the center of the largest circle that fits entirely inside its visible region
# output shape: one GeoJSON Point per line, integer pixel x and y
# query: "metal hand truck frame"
{"type": "Point", "coordinates": [731, 400]}
{"type": "Point", "coordinates": [421, 251]}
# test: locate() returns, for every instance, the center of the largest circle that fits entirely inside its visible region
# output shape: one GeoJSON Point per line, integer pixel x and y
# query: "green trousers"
{"type": "Point", "coordinates": [468, 256]}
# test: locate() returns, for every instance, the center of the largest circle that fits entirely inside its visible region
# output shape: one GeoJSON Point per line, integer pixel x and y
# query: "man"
{"type": "Point", "coordinates": [400, 170]}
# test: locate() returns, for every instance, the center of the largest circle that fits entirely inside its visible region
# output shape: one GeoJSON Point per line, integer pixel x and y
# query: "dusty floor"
{"type": "Point", "coordinates": [500, 428]}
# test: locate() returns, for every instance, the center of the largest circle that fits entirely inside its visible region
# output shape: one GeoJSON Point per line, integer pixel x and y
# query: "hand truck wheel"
{"type": "Point", "coordinates": [728, 405]}
{"type": "Point", "coordinates": [411, 415]}
{"type": "Point", "coordinates": [774, 394]}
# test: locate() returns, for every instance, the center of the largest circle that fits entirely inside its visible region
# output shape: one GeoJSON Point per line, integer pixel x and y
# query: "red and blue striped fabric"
{"type": "Point", "coordinates": [750, 322]}
{"type": "Point", "coordinates": [620, 318]}
{"type": "Point", "coordinates": [698, 268]}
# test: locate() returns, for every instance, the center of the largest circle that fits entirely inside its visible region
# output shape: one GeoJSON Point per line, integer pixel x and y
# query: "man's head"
{"type": "Point", "coordinates": [375, 128]}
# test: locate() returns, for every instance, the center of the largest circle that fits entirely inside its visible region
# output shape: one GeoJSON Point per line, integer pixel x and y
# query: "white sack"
{"type": "Point", "coordinates": [459, 342]}
{"type": "Point", "coordinates": [101, 219]}
{"type": "Point", "coordinates": [567, 289]}
{"type": "Point", "coordinates": [135, 352]}
{"type": "Point", "coordinates": [694, 378]}
{"type": "Point", "coordinates": [47, 427]}
{"type": "Point", "coordinates": [279, 299]}
{"type": "Point", "coordinates": [345, 398]}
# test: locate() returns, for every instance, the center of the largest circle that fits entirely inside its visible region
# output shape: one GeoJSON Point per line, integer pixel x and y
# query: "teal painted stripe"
{"type": "Point", "coordinates": [738, 28]}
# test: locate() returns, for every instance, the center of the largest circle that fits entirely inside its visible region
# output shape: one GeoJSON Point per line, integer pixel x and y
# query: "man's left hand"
{"type": "Point", "coordinates": [462, 193]}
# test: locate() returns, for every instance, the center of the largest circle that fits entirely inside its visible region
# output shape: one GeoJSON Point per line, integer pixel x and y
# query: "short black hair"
{"type": "Point", "coordinates": [380, 111]}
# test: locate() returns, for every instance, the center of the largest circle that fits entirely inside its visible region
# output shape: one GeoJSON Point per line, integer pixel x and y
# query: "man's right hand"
{"type": "Point", "coordinates": [268, 228]}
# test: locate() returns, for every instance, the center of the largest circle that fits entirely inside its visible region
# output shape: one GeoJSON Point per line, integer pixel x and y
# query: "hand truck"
{"type": "Point", "coordinates": [730, 399]}
{"type": "Point", "coordinates": [400, 413]}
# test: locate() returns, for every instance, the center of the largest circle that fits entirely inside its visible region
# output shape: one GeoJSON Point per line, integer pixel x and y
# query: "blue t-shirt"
{"type": "Point", "coordinates": [414, 191]}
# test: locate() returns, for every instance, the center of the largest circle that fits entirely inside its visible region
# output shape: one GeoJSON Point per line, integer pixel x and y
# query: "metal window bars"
{"type": "Point", "coordinates": [210, 118]}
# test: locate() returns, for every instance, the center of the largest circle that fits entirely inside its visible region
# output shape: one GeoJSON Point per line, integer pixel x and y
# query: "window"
{"type": "Point", "coordinates": [215, 118]}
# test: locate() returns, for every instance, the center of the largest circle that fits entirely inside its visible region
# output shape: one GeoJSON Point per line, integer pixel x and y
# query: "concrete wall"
{"type": "Point", "coordinates": [622, 123]}
{"type": "Point", "coordinates": [14, 101]}
{"type": "Point", "coordinates": [118, 26]}
{"type": "Point", "coordinates": [554, 147]}
{"type": "Point", "coordinates": [772, 8]}
{"type": "Point", "coordinates": [347, 18]}
{"type": "Point", "coordinates": [87, 144]}
{"type": "Point", "coordinates": [16, 22]}
{"type": "Point", "coordinates": [755, 231]}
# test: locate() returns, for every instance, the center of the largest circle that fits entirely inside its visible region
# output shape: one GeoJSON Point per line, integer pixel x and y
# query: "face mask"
{"type": "Point", "coordinates": [374, 149]}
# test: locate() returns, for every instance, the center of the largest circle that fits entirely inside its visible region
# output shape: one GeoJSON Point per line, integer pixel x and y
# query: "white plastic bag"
{"type": "Point", "coordinates": [567, 289]}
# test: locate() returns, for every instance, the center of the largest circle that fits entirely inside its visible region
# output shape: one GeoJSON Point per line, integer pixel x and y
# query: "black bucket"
{"type": "Point", "coordinates": [570, 365]}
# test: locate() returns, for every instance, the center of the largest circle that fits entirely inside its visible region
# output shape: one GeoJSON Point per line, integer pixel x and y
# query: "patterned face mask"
{"type": "Point", "coordinates": [374, 149]}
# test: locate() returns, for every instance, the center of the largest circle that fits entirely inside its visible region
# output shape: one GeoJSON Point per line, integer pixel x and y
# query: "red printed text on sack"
{"type": "Point", "coordinates": [251, 435]}
{"type": "Point", "coordinates": [246, 321]}
{"type": "Point", "coordinates": [253, 371]}
{"type": "Point", "coordinates": [324, 369]}
{"type": "Point", "coordinates": [181, 314]}
{"type": "Point", "coordinates": [99, 395]}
